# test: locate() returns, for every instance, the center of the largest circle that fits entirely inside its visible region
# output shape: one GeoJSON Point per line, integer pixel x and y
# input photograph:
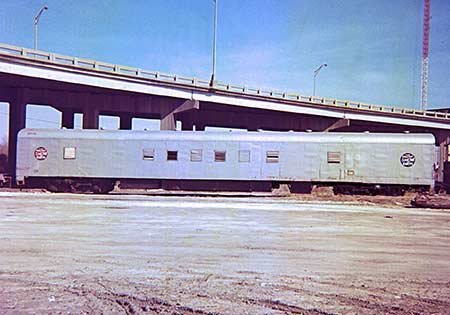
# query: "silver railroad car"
{"type": "Point", "coordinates": [70, 159]}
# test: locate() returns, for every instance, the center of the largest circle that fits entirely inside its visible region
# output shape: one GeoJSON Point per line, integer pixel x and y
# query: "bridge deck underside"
{"type": "Point", "coordinates": [76, 98]}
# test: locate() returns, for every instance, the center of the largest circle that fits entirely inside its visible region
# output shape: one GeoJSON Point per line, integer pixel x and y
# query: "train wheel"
{"type": "Point", "coordinates": [102, 186]}
{"type": "Point", "coordinates": [52, 188]}
{"type": "Point", "coordinates": [96, 189]}
{"type": "Point", "coordinates": [337, 190]}
{"type": "Point", "coordinates": [56, 186]}
{"type": "Point", "coordinates": [394, 191]}
{"type": "Point", "coordinates": [441, 188]}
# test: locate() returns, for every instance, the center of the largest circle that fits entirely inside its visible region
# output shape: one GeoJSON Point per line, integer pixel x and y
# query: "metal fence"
{"type": "Point", "coordinates": [218, 86]}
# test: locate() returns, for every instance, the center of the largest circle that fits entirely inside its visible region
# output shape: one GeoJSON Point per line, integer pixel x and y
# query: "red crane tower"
{"type": "Point", "coordinates": [425, 47]}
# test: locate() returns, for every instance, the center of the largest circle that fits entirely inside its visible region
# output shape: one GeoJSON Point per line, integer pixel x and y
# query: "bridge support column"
{"type": "Point", "coordinates": [126, 121]}
{"type": "Point", "coordinates": [443, 141]}
{"type": "Point", "coordinates": [199, 127]}
{"type": "Point", "coordinates": [17, 112]}
{"type": "Point", "coordinates": [168, 121]}
{"type": "Point", "coordinates": [340, 123]}
{"type": "Point", "coordinates": [90, 118]}
{"type": "Point", "coordinates": [187, 125]}
{"type": "Point", "coordinates": [67, 118]}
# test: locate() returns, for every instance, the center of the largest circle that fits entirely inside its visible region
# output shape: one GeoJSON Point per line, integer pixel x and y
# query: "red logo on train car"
{"type": "Point", "coordinates": [40, 153]}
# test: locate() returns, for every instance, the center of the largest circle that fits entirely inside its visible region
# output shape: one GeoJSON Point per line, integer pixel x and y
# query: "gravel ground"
{"type": "Point", "coordinates": [85, 254]}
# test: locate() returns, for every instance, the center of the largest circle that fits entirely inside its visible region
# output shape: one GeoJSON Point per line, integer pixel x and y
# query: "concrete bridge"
{"type": "Point", "coordinates": [76, 85]}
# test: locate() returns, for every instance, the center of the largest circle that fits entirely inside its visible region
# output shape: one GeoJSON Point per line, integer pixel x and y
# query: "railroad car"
{"type": "Point", "coordinates": [75, 160]}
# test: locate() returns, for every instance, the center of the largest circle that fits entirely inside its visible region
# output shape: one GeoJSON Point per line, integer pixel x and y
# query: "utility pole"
{"type": "Point", "coordinates": [36, 21]}
{"type": "Point", "coordinates": [315, 76]}
{"type": "Point", "coordinates": [425, 48]}
{"type": "Point", "coordinates": [213, 76]}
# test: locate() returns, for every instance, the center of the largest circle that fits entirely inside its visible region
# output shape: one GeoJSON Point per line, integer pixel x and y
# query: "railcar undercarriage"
{"type": "Point", "coordinates": [72, 185]}
{"type": "Point", "coordinates": [105, 185]}
{"type": "Point", "coordinates": [375, 189]}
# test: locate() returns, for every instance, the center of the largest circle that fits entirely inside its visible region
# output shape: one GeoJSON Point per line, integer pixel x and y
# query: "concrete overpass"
{"type": "Point", "coordinates": [76, 85]}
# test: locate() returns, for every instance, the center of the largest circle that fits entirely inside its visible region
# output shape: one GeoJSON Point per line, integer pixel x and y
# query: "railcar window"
{"type": "Point", "coordinates": [70, 153]}
{"type": "Point", "coordinates": [244, 156]}
{"type": "Point", "coordinates": [172, 155]}
{"type": "Point", "coordinates": [196, 155]}
{"type": "Point", "coordinates": [272, 156]}
{"type": "Point", "coordinates": [220, 156]}
{"type": "Point", "coordinates": [334, 157]}
{"type": "Point", "coordinates": [148, 154]}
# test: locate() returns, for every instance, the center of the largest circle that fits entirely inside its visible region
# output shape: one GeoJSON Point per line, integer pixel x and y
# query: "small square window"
{"type": "Point", "coordinates": [272, 156]}
{"type": "Point", "coordinates": [220, 156]}
{"type": "Point", "coordinates": [196, 155]}
{"type": "Point", "coordinates": [70, 153]}
{"type": "Point", "coordinates": [148, 154]}
{"type": "Point", "coordinates": [172, 155]}
{"type": "Point", "coordinates": [334, 157]}
{"type": "Point", "coordinates": [244, 156]}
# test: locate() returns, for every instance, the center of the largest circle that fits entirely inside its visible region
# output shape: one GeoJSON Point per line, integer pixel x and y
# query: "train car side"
{"type": "Point", "coordinates": [95, 159]}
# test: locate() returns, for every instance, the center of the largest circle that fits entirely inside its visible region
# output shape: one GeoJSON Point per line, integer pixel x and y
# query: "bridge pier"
{"type": "Point", "coordinates": [17, 113]}
{"type": "Point", "coordinates": [168, 119]}
{"type": "Point", "coordinates": [126, 121]}
{"type": "Point", "coordinates": [90, 118]}
{"type": "Point", "coordinates": [67, 120]}
{"type": "Point", "coordinates": [187, 125]}
{"type": "Point", "coordinates": [340, 123]}
{"type": "Point", "coordinates": [442, 141]}
{"type": "Point", "coordinates": [199, 127]}
{"type": "Point", "coordinates": [168, 122]}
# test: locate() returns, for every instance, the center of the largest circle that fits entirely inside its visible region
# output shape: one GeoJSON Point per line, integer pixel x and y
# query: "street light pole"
{"type": "Point", "coordinates": [36, 21]}
{"type": "Point", "coordinates": [213, 76]}
{"type": "Point", "coordinates": [315, 75]}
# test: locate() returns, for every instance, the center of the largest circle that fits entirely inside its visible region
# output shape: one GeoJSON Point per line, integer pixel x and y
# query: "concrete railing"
{"type": "Point", "coordinates": [218, 86]}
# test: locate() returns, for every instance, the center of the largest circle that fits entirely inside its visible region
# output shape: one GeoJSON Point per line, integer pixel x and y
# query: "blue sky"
{"type": "Point", "coordinates": [372, 48]}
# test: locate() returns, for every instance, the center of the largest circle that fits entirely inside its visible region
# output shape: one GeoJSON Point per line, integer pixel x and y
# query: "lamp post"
{"type": "Point", "coordinates": [213, 76]}
{"type": "Point", "coordinates": [315, 75]}
{"type": "Point", "coordinates": [36, 21]}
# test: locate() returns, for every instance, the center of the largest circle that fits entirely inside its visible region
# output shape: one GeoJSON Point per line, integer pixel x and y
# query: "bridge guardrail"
{"type": "Point", "coordinates": [219, 86]}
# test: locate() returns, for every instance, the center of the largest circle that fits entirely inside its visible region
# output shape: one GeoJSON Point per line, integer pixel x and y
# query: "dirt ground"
{"type": "Point", "coordinates": [126, 254]}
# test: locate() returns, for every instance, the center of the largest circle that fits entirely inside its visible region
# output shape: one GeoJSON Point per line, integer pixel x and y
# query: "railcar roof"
{"type": "Point", "coordinates": [413, 138]}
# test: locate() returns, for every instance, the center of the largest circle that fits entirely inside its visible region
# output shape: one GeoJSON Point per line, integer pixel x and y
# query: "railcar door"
{"type": "Point", "coordinates": [270, 160]}
{"type": "Point", "coordinates": [248, 161]}
{"type": "Point", "coordinates": [300, 162]}
{"type": "Point", "coordinates": [332, 166]}
{"type": "Point", "coordinates": [101, 158]}
{"type": "Point", "coordinates": [354, 165]}
{"type": "Point", "coordinates": [117, 159]}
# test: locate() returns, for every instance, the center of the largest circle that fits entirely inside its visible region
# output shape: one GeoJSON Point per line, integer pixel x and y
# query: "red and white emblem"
{"type": "Point", "coordinates": [40, 153]}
